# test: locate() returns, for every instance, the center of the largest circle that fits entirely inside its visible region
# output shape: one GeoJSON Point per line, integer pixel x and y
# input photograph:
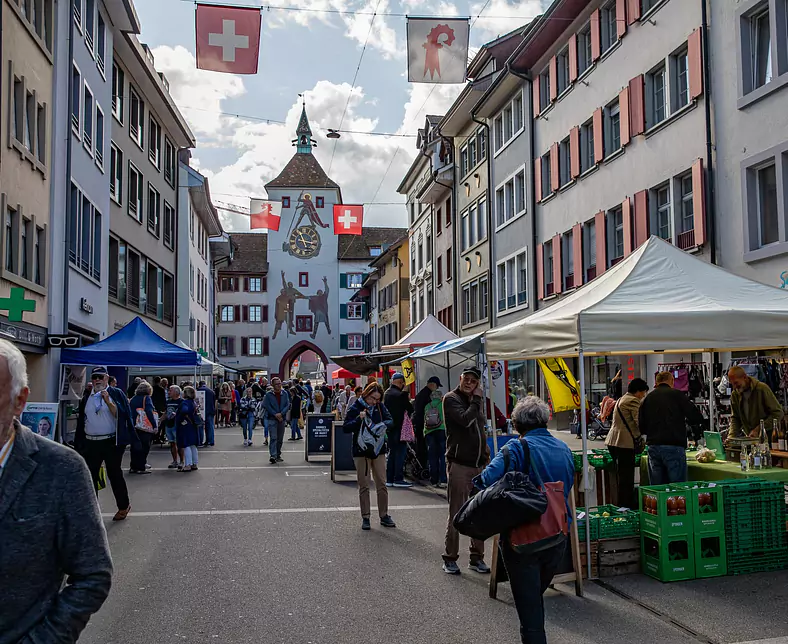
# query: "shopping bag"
{"type": "Point", "coordinates": [407, 435]}
{"type": "Point", "coordinates": [550, 530]}
{"type": "Point", "coordinates": [101, 483]}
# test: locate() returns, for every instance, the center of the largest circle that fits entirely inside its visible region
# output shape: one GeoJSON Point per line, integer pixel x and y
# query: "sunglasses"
{"type": "Point", "coordinates": [60, 341]}
{"type": "Point", "coordinates": [98, 376]}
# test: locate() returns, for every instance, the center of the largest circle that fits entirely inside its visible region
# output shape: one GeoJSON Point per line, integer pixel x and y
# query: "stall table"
{"type": "Point", "coordinates": [718, 471]}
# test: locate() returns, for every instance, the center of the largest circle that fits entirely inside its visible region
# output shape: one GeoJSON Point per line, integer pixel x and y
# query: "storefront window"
{"type": "Point", "coordinates": [522, 378]}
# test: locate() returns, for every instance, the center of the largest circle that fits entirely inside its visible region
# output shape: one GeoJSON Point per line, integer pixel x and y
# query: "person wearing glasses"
{"type": "Point", "coordinates": [104, 429]}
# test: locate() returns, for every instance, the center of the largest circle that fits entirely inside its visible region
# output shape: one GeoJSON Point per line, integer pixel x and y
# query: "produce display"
{"type": "Point", "coordinates": [706, 455]}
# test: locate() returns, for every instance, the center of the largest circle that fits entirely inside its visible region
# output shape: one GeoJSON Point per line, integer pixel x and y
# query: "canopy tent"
{"type": "Point", "coordinates": [206, 368]}
{"type": "Point", "coordinates": [135, 345]}
{"type": "Point", "coordinates": [659, 299]}
{"type": "Point", "coordinates": [427, 332]}
{"type": "Point", "coordinates": [343, 374]}
{"type": "Point", "coordinates": [368, 364]}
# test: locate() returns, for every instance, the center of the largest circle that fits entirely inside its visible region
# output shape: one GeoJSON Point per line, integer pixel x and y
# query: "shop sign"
{"type": "Point", "coordinates": [25, 336]}
{"type": "Point", "coordinates": [85, 306]}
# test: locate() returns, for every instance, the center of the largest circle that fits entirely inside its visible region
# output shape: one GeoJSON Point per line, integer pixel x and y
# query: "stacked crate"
{"type": "Point", "coordinates": [667, 538]}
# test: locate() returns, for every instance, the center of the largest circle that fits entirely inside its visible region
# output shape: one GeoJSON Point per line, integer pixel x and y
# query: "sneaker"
{"type": "Point", "coordinates": [291, 439]}
{"type": "Point", "coordinates": [147, 466]}
{"type": "Point", "coordinates": [172, 465]}
{"type": "Point", "coordinates": [365, 524]}
{"type": "Point", "coordinates": [451, 568]}
{"type": "Point", "coordinates": [279, 459]}
{"type": "Point", "coordinates": [402, 484]}
{"type": "Point", "coordinates": [441, 486]}
{"type": "Point", "coordinates": [250, 444]}
{"type": "Point", "coordinates": [388, 522]}
{"type": "Point", "coordinates": [480, 567]}
{"type": "Point", "coordinates": [246, 442]}
{"type": "Point", "coordinates": [265, 442]}
{"type": "Point", "coordinates": [272, 461]}
{"type": "Point", "coordinates": [389, 484]}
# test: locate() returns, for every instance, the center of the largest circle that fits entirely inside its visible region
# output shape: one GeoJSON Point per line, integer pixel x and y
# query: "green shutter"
{"type": "Point", "coordinates": [343, 280]}
{"type": "Point", "coordinates": [363, 310]}
{"type": "Point", "coordinates": [343, 311]}
{"type": "Point", "coordinates": [343, 341]}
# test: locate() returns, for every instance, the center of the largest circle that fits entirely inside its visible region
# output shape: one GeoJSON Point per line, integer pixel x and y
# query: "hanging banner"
{"type": "Point", "coordinates": [41, 418]}
{"type": "Point", "coordinates": [228, 38]}
{"type": "Point", "coordinates": [437, 50]}
{"type": "Point", "coordinates": [72, 384]}
{"type": "Point", "coordinates": [564, 390]}
{"type": "Point", "coordinates": [348, 219]}
{"type": "Point", "coordinates": [409, 371]}
{"type": "Point", "coordinates": [265, 214]}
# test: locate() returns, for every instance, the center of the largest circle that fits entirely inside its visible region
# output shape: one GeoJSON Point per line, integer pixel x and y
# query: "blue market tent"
{"type": "Point", "coordinates": [135, 345]}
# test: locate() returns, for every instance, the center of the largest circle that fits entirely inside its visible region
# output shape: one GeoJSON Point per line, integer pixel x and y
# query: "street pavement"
{"type": "Point", "coordinates": [243, 551]}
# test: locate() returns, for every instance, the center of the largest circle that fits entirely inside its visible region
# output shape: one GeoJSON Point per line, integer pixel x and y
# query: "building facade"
{"type": "Point", "coordinates": [147, 132]}
{"type": "Point", "coordinates": [195, 305]}
{"type": "Point", "coordinates": [392, 286]}
{"type": "Point", "coordinates": [26, 108]}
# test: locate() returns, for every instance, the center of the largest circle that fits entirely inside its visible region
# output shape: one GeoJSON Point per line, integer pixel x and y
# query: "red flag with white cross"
{"type": "Point", "coordinates": [265, 214]}
{"type": "Point", "coordinates": [348, 220]}
{"type": "Point", "coordinates": [228, 39]}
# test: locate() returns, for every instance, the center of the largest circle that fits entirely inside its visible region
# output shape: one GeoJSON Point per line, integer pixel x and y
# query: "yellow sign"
{"type": "Point", "coordinates": [409, 371]}
{"type": "Point", "coordinates": [564, 390]}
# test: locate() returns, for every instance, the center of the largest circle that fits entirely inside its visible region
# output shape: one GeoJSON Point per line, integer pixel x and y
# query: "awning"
{"type": "Point", "coordinates": [367, 364]}
{"type": "Point", "coordinates": [343, 374]}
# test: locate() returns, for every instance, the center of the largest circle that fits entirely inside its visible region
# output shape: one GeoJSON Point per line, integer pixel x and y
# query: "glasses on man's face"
{"type": "Point", "coordinates": [97, 378]}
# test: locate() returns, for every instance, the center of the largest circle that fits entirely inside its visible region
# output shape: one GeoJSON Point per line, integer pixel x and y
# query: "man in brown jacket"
{"type": "Point", "coordinates": [752, 401]}
{"type": "Point", "coordinates": [467, 454]}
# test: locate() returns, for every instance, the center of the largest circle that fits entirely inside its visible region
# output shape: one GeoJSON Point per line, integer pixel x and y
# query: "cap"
{"type": "Point", "coordinates": [398, 376]}
{"type": "Point", "coordinates": [472, 371]}
{"type": "Point", "coordinates": [99, 371]}
{"type": "Point", "coordinates": [435, 381]}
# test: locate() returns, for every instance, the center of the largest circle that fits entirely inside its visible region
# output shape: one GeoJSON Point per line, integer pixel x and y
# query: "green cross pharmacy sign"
{"type": "Point", "coordinates": [16, 304]}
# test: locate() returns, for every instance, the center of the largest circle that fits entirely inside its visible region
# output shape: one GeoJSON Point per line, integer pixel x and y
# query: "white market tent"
{"type": "Point", "coordinates": [427, 332]}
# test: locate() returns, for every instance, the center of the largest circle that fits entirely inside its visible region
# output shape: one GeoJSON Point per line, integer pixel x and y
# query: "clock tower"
{"type": "Point", "coordinates": [303, 277]}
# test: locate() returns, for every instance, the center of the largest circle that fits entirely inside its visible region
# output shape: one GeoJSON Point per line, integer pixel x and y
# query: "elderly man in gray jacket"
{"type": "Point", "coordinates": [50, 527]}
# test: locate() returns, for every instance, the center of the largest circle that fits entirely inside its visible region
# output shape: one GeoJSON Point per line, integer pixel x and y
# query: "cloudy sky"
{"type": "Point", "coordinates": [244, 125]}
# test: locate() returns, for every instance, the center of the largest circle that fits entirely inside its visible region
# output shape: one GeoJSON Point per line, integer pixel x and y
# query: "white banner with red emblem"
{"type": "Point", "coordinates": [437, 50]}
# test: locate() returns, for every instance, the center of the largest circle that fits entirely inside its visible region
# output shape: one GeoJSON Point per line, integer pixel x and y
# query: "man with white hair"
{"type": "Point", "coordinates": [50, 525]}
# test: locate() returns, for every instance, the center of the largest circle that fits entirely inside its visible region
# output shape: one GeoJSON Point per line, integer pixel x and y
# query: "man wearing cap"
{"type": "Point", "coordinates": [104, 429]}
{"type": "Point", "coordinates": [419, 405]}
{"type": "Point", "coordinates": [467, 454]}
{"type": "Point", "coordinates": [398, 403]}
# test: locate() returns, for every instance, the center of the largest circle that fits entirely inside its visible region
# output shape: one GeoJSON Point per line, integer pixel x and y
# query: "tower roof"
{"type": "Point", "coordinates": [304, 141]}
{"type": "Point", "coordinates": [302, 171]}
{"type": "Point", "coordinates": [303, 123]}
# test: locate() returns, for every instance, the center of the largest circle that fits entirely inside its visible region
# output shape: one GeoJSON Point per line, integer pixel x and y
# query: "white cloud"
{"type": "Point", "coordinates": [427, 99]}
{"type": "Point", "coordinates": [504, 17]}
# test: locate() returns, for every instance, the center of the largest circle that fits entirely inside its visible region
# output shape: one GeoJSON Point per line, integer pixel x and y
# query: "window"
{"type": "Point", "coordinates": [285, 202]}
{"type": "Point", "coordinates": [612, 128]}
{"type": "Point", "coordinates": [464, 168]}
{"type": "Point", "coordinates": [564, 173]}
{"type": "Point", "coordinates": [475, 301]}
{"type": "Point", "coordinates": [303, 324]}
{"type": "Point", "coordinates": [135, 192]}
{"type": "Point", "coordinates": [484, 302]}
{"type": "Point", "coordinates": [517, 113]}
{"type": "Point", "coordinates": [39, 256]}
{"type": "Point", "coordinates": [154, 211]}
{"type": "Point", "coordinates": [481, 143]}
{"type": "Point", "coordinates": [255, 313]}
{"type": "Point", "coordinates": [99, 152]}
{"type": "Point", "coordinates": [472, 156]}
{"type": "Point", "coordinates": [464, 230]}
{"type": "Point", "coordinates": [584, 56]}
{"type": "Point", "coordinates": [226, 346]}
{"type": "Point", "coordinates": [509, 123]}
{"type": "Point", "coordinates": [648, 5]}
{"type": "Point", "coordinates": [169, 162]}
{"type": "Point", "coordinates": [118, 83]}
{"type": "Point", "coordinates": [420, 253]}
{"type": "Point", "coordinates": [227, 313]}
{"type": "Point", "coordinates": [608, 25]}
{"type": "Point", "coordinates": [760, 48]}
{"type": "Point", "coordinates": [544, 89]}
{"type": "Point", "coordinates": [255, 284]}
{"type": "Point", "coordinates": [11, 222]}
{"type": "Point", "coordinates": [448, 264]}
{"type": "Point", "coordinates": [116, 174]}
{"type": "Point", "coordinates": [562, 60]}
{"type": "Point", "coordinates": [616, 218]}
{"type": "Point", "coordinates": [85, 233]}
{"type": "Point", "coordinates": [448, 212]}
{"type": "Point", "coordinates": [87, 119]}
{"type": "Point", "coordinates": [512, 290]}
{"type": "Point", "coordinates": [26, 223]}
{"type": "Point", "coordinates": [355, 280]}
{"type": "Point", "coordinates": [547, 184]}
{"type": "Point", "coordinates": [320, 202]}
{"type": "Point", "coordinates": [481, 219]}
{"type": "Point", "coordinates": [154, 142]}
{"type": "Point", "coordinates": [76, 100]}
{"type": "Point", "coordinates": [90, 15]}
{"type": "Point", "coordinates": [355, 311]}
{"type": "Point", "coordinates": [303, 280]}
{"type": "Point", "coordinates": [169, 226]}
{"type": "Point", "coordinates": [687, 204]}
{"type": "Point", "coordinates": [255, 346]}
{"type": "Point", "coordinates": [508, 128]}
{"type": "Point", "coordinates": [656, 96]}
{"type": "Point", "coordinates": [510, 199]}
{"type": "Point", "coordinates": [664, 214]}
{"type": "Point", "coordinates": [18, 109]}
{"type": "Point", "coordinates": [498, 132]}
{"type": "Point", "coordinates": [101, 37]}
{"type": "Point", "coordinates": [355, 341]}
{"type": "Point", "coordinates": [680, 95]}
{"type": "Point", "coordinates": [375, 251]}
{"type": "Point", "coordinates": [412, 258]}
{"type": "Point", "coordinates": [766, 202]}
{"type": "Point", "coordinates": [137, 118]}
{"type": "Point", "coordinates": [589, 249]}
{"type": "Point", "coordinates": [440, 271]}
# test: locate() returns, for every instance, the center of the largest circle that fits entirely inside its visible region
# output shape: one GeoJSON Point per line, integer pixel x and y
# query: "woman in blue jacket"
{"type": "Point", "coordinates": [142, 400]}
{"type": "Point", "coordinates": [368, 419]}
{"type": "Point", "coordinates": [186, 422]}
{"type": "Point", "coordinates": [551, 460]}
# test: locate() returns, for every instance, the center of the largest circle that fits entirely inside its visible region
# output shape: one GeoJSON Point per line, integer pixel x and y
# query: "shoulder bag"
{"type": "Point", "coordinates": [143, 422]}
{"type": "Point", "coordinates": [638, 442]}
{"type": "Point", "coordinates": [407, 435]}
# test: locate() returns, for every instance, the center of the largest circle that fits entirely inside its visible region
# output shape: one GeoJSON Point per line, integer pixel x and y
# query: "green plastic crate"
{"type": "Point", "coordinates": [599, 459]}
{"type": "Point", "coordinates": [757, 562]}
{"type": "Point", "coordinates": [710, 555]}
{"type": "Point", "coordinates": [668, 557]}
{"type": "Point", "coordinates": [707, 517]}
{"type": "Point", "coordinates": [662, 523]}
{"type": "Point", "coordinates": [617, 526]}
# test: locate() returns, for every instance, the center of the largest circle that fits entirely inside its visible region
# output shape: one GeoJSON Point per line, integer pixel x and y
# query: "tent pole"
{"type": "Point", "coordinates": [488, 389]}
{"type": "Point", "coordinates": [711, 390]}
{"type": "Point", "coordinates": [584, 429]}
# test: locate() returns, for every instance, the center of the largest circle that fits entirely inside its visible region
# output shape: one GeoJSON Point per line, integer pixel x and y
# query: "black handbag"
{"type": "Point", "coordinates": [638, 442]}
{"type": "Point", "coordinates": [508, 503]}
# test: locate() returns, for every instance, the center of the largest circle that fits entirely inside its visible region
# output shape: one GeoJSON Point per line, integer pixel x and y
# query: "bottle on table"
{"type": "Point", "coordinates": [762, 437]}
{"type": "Point", "coordinates": [775, 434]}
{"type": "Point", "coordinates": [781, 439]}
{"type": "Point", "coordinates": [744, 459]}
{"type": "Point", "coordinates": [767, 457]}
{"type": "Point", "coordinates": [757, 460]}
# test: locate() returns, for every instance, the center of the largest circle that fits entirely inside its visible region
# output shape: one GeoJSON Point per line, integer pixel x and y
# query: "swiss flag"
{"type": "Point", "coordinates": [348, 220]}
{"type": "Point", "coordinates": [265, 214]}
{"type": "Point", "coordinates": [228, 39]}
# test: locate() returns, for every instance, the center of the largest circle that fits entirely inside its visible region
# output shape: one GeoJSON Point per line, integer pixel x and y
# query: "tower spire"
{"type": "Point", "coordinates": [304, 141]}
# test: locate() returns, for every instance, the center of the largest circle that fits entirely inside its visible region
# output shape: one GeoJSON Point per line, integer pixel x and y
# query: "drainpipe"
{"type": "Point", "coordinates": [454, 279]}
{"type": "Point", "coordinates": [490, 231]}
{"type": "Point", "coordinates": [711, 215]}
{"type": "Point", "coordinates": [69, 135]}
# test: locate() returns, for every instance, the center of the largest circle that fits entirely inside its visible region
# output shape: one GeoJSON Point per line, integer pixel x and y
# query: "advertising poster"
{"type": "Point", "coordinates": [41, 418]}
{"type": "Point", "coordinates": [72, 384]}
{"type": "Point", "coordinates": [200, 400]}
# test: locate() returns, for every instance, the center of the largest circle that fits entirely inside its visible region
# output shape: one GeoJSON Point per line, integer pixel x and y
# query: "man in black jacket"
{"type": "Point", "coordinates": [467, 453]}
{"type": "Point", "coordinates": [419, 405]}
{"type": "Point", "coordinates": [398, 403]}
{"type": "Point", "coordinates": [663, 418]}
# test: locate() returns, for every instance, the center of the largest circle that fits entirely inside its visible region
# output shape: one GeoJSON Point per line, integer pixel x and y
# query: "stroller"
{"type": "Point", "coordinates": [414, 469]}
{"type": "Point", "coordinates": [597, 428]}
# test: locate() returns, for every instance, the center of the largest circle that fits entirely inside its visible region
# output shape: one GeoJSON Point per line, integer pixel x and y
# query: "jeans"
{"type": "Point", "coordinates": [436, 452]}
{"type": "Point", "coordinates": [209, 438]}
{"type": "Point", "coordinates": [666, 464]}
{"type": "Point", "coordinates": [276, 434]}
{"type": "Point", "coordinates": [624, 463]}
{"type": "Point", "coordinates": [295, 430]}
{"type": "Point", "coordinates": [395, 467]}
{"type": "Point", "coordinates": [529, 576]}
{"type": "Point", "coordinates": [190, 455]}
{"type": "Point", "coordinates": [139, 455]}
{"type": "Point", "coordinates": [247, 426]}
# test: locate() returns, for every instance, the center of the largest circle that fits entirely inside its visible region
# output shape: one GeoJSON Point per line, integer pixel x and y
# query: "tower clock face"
{"type": "Point", "coordinates": [304, 242]}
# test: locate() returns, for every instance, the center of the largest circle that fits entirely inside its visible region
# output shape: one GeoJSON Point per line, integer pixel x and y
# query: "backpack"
{"type": "Point", "coordinates": [432, 418]}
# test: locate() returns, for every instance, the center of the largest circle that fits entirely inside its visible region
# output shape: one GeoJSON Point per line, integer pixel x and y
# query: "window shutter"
{"type": "Point", "coordinates": [265, 313]}
{"type": "Point", "coordinates": [637, 106]}
{"type": "Point", "coordinates": [641, 218]}
{"type": "Point", "coordinates": [343, 312]}
{"type": "Point", "coordinates": [621, 17]}
{"type": "Point", "coordinates": [599, 138]}
{"type": "Point", "coordinates": [230, 346]}
{"type": "Point", "coordinates": [596, 44]}
{"type": "Point", "coordinates": [343, 280]}
{"type": "Point", "coordinates": [237, 313]}
{"type": "Point", "coordinates": [235, 284]}
{"type": "Point", "coordinates": [626, 215]}
{"type": "Point", "coordinates": [363, 311]}
{"type": "Point", "coordinates": [574, 152]}
{"type": "Point", "coordinates": [537, 99]}
{"type": "Point", "coordinates": [265, 284]}
{"type": "Point", "coordinates": [577, 252]}
{"type": "Point", "coordinates": [695, 64]}
{"type": "Point", "coordinates": [555, 179]}
{"type": "Point", "coordinates": [553, 78]}
{"type": "Point", "coordinates": [244, 346]}
{"type": "Point", "coordinates": [540, 271]}
{"type": "Point", "coordinates": [558, 267]}
{"type": "Point", "coordinates": [624, 111]}
{"type": "Point", "coordinates": [265, 347]}
{"type": "Point", "coordinates": [633, 11]}
{"type": "Point", "coordinates": [699, 201]}
{"type": "Point", "coordinates": [245, 313]}
{"type": "Point", "coordinates": [537, 184]}
{"type": "Point", "coordinates": [343, 341]}
{"type": "Point", "coordinates": [246, 283]}
{"type": "Point", "coordinates": [601, 243]}
{"type": "Point", "coordinates": [573, 58]}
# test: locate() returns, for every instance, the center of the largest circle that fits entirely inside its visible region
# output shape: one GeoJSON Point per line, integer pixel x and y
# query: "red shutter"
{"type": "Point", "coordinates": [553, 78]}
{"type": "Point", "coordinates": [535, 91]}
{"type": "Point", "coordinates": [230, 346]}
{"type": "Point", "coordinates": [599, 137]}
{"type": "Point", "coordinates": [574, 151]}
{"type": "Point", "coordinates": [596, 44]}
{"type": "Point", "coordinates": [558, 267]}
{"type": "Point", "coordinates": [601, 243]}
{"type": "Point", "coordinates": [695, 64]}
{"type": "Point", "coordinates": [237, 316]}
{"type": "Point", "coordinates": [626, 212]}
{"type": "Point", "coordinates": [699, 201]}
{"type": "Point", "coordinates": [573, 58]}
{"type": "Point", "coordinates": [633, 11]}
{"type": "Point", "coordinates": [641, 218]}
{"type": "Point", "coordinates": [637, 110]}
{"type": "Point", "coordinates": [555, 179]}
{"type": "Point", "coordinates": [246, 283]}
{"type": "Point", "coordinates": [244, 346]}
{"type": "Point", "coordinates": [621, 17]}
{"type": "Point", "coordinates": [265, 313]}
{"type": "Point", "coordinates": [537, 183]}
{"type": "Point", "coordinates": [577, 252]}
{"type": "Point", "coordinates": [540, 271]}
{"type": "Point", "coordinates": [623, 106]}
{"type": "Point", "coordinates": [245, 313]}
{"type": "Point", "coordinates": [265, 346]}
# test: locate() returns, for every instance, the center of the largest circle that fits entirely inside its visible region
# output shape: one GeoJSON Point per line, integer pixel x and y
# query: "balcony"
{"type": "Point", "coordinates": [569, 281]}
{"type": "Point", "coordinates": [686, 240]}
{"type": "Point", "coordinates": [590, 273]}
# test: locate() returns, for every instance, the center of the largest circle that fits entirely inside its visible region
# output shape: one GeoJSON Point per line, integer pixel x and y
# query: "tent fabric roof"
{"type": "Point", "coordinates": [427, 332]}
{"type": "Point", "coordinates": [135, 345]}
{"type": "Point", "coordinates": [365, 364]}
{"type": "Point", "coordinates": [470, 345]}
{"type": "Point", "coordinates": [657, 299]}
